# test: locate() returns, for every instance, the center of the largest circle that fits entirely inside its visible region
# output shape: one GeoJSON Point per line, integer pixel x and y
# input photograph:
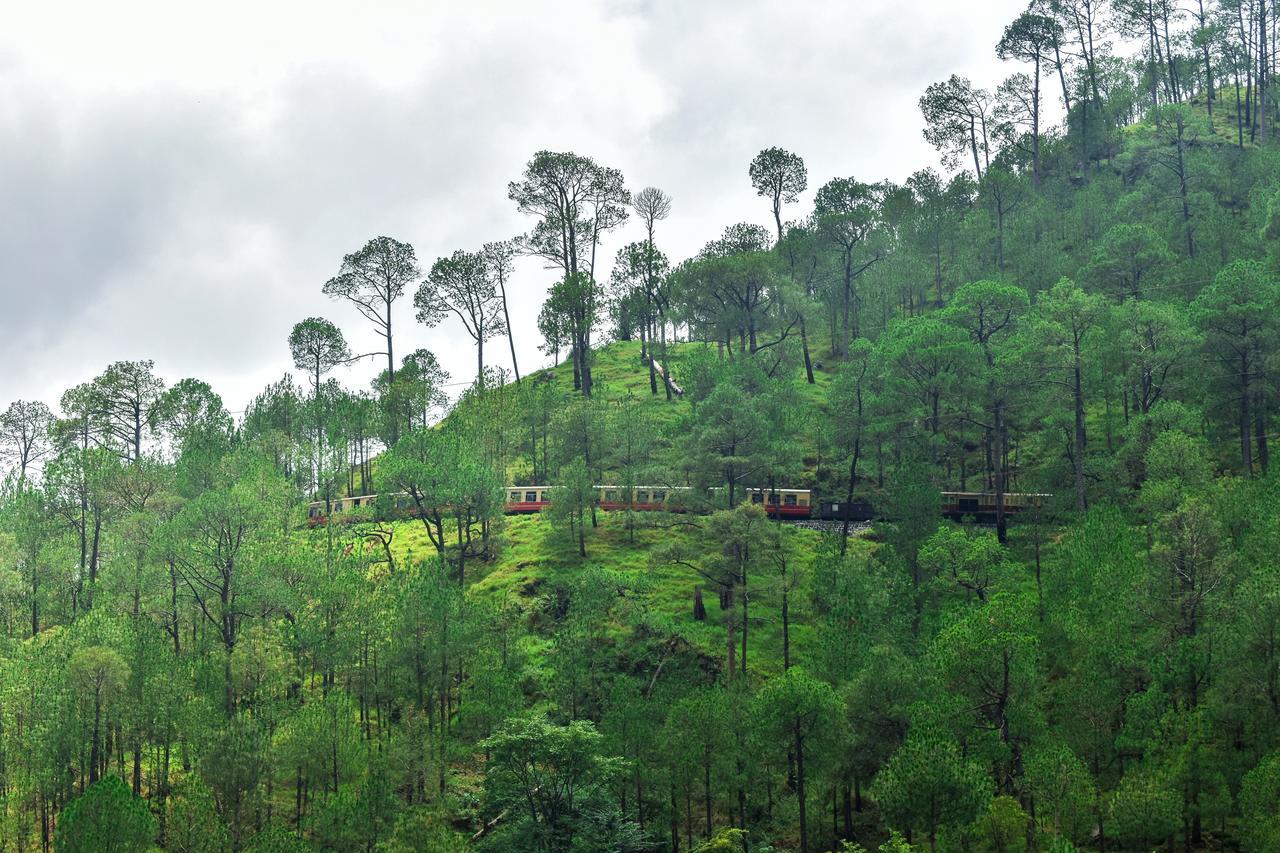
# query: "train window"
{"type": "Point", "coordinates": [659, 497]}
{"type": "Point", "coordinates": [515, 497]}
{"type": "Point", "coordinates": [757, 498]}
{"type": "Point", "coordinates": [402, 503]}
{"type": "Point", "coordinates": [789, 500]}
{"type": "Point", "coordinates": [531, 497]}
{"type": "Point", "coordinates": [773, 499]}
{"type": "Point", "coordinates": [611, 496]}
{"type": "Point", "coordinates": [314, 511]}
{"type": "Point", "coordinates": [355, 502]}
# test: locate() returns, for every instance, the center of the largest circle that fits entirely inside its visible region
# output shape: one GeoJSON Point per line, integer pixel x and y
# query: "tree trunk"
{"type": "Point", "coordinates": [35, 601]}
{"type": "Point", "coordinates": [786, 626]}
{"type": "Point", "coordinates": [97, 728]}
{"type": "Point", "coordinates": [674, 824]}
{"type": "Point", "coordinates": [1264, 73]}
{"type": "Point", "coordinates": [391, 358]}
{"type": "Point", "coordinates": [511, 339]}
{"type": "Point", "coordinates": [847, 301]}
{"type": "Point", "coordinates": [1246, 424]}
{"type": "Point", "coordinates": [804, 347]}
{"type": "Point", "coordinates": [93, 557]}
{"type": "Point", "coordinates": [800, 791]}
{"type": "Point", "coordinates": [1002, 440]}
{"type": "Point", "coordinates": [1239, 113]}
{"type": "Point", "coordinates": [1078, 453]}
{"type": "Point", "coordinates": [731, 651]}
{"type": "Point", "coordinates": [1182, 191]}
{"type": "Point", "coordinates": [646, 353]}
{"type": "Point", "coordinates": [973, 144]}
{"type": "Point", "coordinates": [230, 685]}
{"type": "Point", "coordinates": [706, 785]}
{"type": "Point", "coordinates": [1208, 66]}
{"type": "Point", "coordinates": [1035, 127]}
{"type": "Point", "coordinates": [1260, 434]}
{"type": "Point", "coordinates": [853, 476]}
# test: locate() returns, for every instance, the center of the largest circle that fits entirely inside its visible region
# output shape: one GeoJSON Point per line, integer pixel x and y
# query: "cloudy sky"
{"type": "Point", "coordinates": [177, 180]}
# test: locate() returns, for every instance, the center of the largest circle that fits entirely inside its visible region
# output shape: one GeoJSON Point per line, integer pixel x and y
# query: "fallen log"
{"type": "Point", "coordinates": [671, 383]}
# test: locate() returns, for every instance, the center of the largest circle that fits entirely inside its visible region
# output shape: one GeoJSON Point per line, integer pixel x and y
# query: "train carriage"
{"type": "Point", "coordinates": [525, 499]}
{"type": "Point", "coordinates": [643, 498]}
{"type": "Point", "coordinates": [777, 503]}
{"type": "Point", "coordinates": [782, 503]}
{"type": "Point", "coordinates": [982, 505]}
{"type": "Point", "coordinates": [858, 509]}
{"type": "Point", "coordinates": [344, 507]}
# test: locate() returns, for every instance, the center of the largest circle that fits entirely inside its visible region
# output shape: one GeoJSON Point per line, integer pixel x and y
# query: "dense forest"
{"type": "Point", "coordinates": [1085, 308]}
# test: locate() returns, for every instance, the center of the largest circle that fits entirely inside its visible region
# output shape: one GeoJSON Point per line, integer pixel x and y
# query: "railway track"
{"type": "Point", "coordinates": [834, 526]}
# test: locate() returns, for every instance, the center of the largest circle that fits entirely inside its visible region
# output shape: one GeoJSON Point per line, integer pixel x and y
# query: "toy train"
{"type": "Point", "coordinates": [777, 503]}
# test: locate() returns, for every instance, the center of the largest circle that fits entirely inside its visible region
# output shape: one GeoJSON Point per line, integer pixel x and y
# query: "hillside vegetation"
{"type": "Point", "coordinates": [1089, 311]}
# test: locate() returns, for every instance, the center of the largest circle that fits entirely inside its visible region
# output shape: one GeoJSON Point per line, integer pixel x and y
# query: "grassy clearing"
{"type": "Point", "coordinates": [534, 559]}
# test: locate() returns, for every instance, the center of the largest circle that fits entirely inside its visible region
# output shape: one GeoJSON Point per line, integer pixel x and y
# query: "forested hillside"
{"type": "Point", "coordinates": [200, 653]}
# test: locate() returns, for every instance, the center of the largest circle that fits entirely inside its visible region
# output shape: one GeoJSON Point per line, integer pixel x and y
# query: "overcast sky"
{"type": "Point", "coordinates": [178, 184]}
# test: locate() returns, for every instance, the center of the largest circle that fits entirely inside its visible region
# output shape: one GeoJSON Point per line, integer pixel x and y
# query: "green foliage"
{"type": "Point", "coordinates": [554, 781]}
{"type": "Point", "coordinates": [420, 829]}
{"type": "Point", "coordinates": [1260, 805]}
{"type": "Point", "coordinates": [1175, 466]}
{"type": "Point", "coordinates": [192, 824]}
{"type": "Point", "coordinates": [724, 841]}
{"type": "Point", "coordinates": [1063, 790]}
{"type": "Point", "coordinates": [964, 561]}
{"type": "Point", "coordinates": [1144, 810]}
{"type": "Point", "coordinates": [798, 709]}
{"type": "Point", "coordinates": [317, 347]}
{"type": "Point", "coordinates": [233, 768]}
{"type": "Point", "coordinates": [571, 501]}
{"type": "Point", "coordinates": [895, 844]}
{"type": "Point", "coordinates": [463, 285]}
{"type": "Point", "coordinates": [276, 839]}
{"type": "Point", "coordinates": [1003, 829]}
{"type": "Point", "coordinates": [927, 786]}
{"type": "Point", "coordinates": [1131, 256]}
{"type": "Point", "coordinates": [455, 490]}
{"type": "Point", "coordinates": [106, 817]}
{"type": "Point", "coordinates": [779, 176]}
{"type": "Point", "coordinates": [98, 673]}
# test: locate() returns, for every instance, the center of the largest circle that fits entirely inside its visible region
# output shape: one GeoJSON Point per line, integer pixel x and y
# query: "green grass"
{"type": "Point", "coordinates": [534, 558]}
{"type": "Point", "coordinates": [617, 371]}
